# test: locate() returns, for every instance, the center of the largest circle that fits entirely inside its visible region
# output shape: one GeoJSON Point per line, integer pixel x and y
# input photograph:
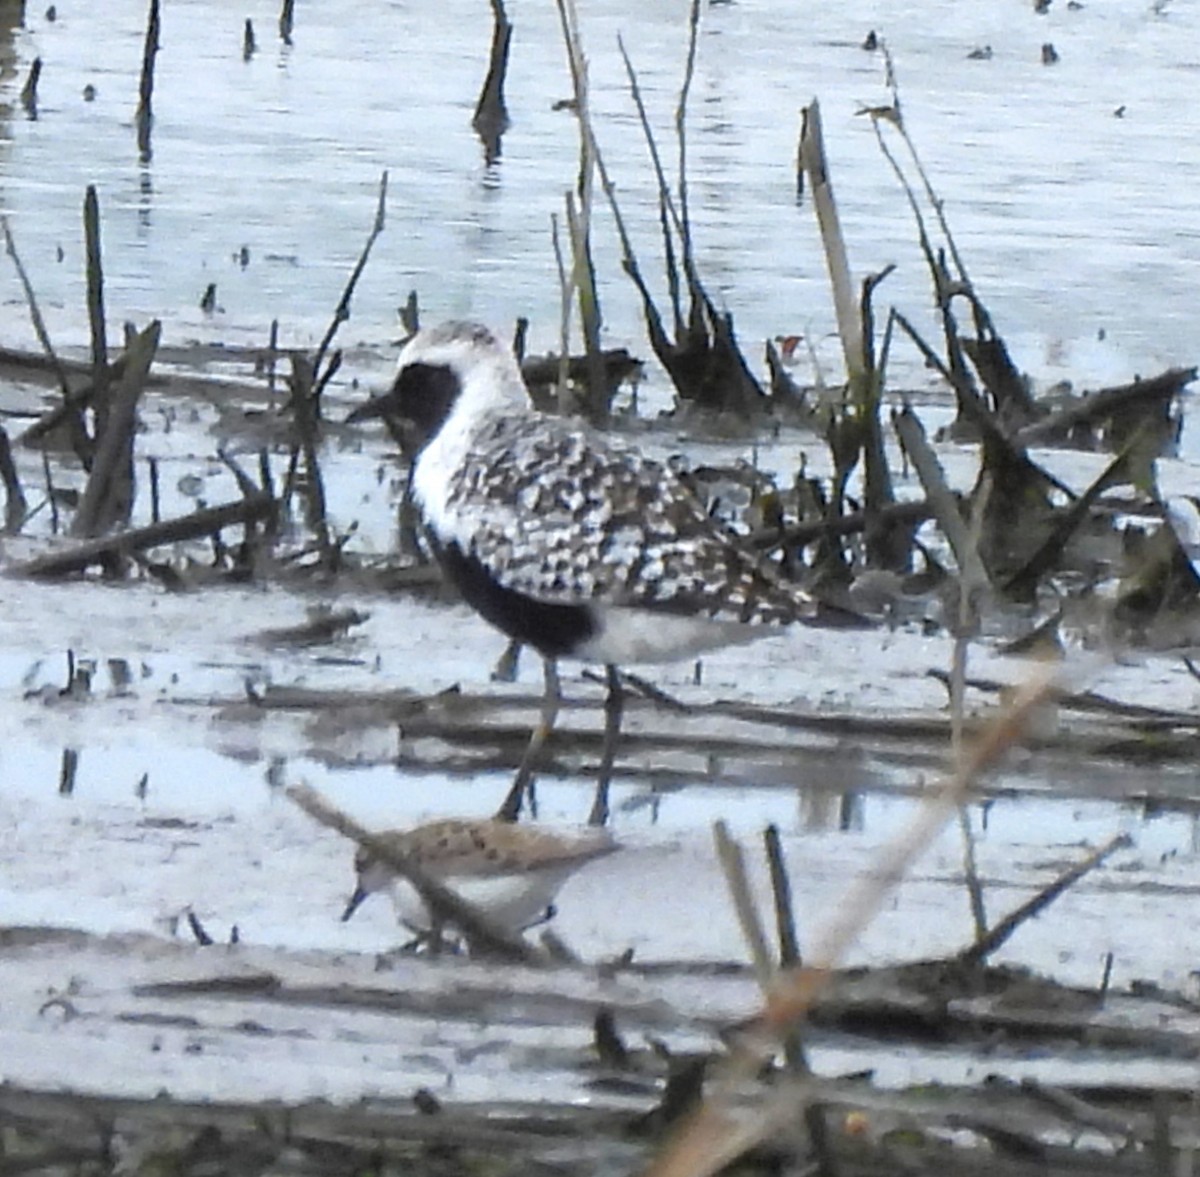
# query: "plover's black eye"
{"type": "Point", "coordinates": [423, 396]}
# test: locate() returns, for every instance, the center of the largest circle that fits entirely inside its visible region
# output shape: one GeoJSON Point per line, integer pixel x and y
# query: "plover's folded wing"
{"type": "Point", "coordinates": [556, 513]}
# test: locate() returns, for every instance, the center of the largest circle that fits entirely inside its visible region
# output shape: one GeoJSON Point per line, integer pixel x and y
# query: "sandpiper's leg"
{"type": "Point", "coordinates": [523, 781]}
{"type": "Point", "coordinates": [614, 706]}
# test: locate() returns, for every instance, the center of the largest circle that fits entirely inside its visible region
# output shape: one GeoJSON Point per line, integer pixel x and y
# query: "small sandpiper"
{"type": "Point", "coordinates": [509, 873]}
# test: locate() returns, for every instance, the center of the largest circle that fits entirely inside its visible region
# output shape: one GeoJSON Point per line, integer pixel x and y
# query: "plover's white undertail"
{"type": "Point", "coordinates": [561, 539]}
{"type": "Point", "coordinates": [509, 873]}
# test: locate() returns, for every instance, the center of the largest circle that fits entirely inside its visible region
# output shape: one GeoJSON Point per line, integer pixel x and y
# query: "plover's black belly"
{"type": "Point", "coordinates": [554, 630]}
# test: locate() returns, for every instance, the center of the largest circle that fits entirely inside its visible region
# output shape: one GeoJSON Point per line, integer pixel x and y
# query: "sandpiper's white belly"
{"type": "Point", "coordinates": [512, 902]}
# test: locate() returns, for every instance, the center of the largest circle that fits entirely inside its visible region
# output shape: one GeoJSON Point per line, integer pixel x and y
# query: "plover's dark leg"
{"type": "Point", "coordinates": [614, 706]}
{"type": "Point", "coordinates": [523, 781]}
{"type": "Point", "coordinates": [505, 669]}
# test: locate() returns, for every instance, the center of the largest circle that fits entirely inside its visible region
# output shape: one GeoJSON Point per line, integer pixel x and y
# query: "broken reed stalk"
{"type": "Point", "coordinates": [733, 865]}
{"type": "Point", "coordinates": [29, 94]}
{"type": "Point", "coordinates": [985, 946]}
{"type": "Point", "coordinates": [940, 497]}
{"type": "Point", "coordinates": [564, 317]}
{"type": "Point", "coordinates": [715, 1135]}
{"type": "Point", "coordinates": [67, 770]}
{"type": "Point", "coordinates": [272, 357]}
{"type": "Point", "coordinates": [287, 15]}
{"type": "Point", "coordinates": [341, 312]}
{"type": "Point", "coordinates": [145, 109]}
{"type": "Point", "coordinates": [659, 341]}
{"type": "Point", "coordinates": [781, 891]}
{"type": "Point", "coordinates": [961, 381]}
{"type": "Point", "coordinates": [704, 361]}
{"type": "Point", "coordinates": [108, 497]}
{"type": "Point", "coordinates": [107, 548]}
{"type": "Point", "coordinates": [938, 206]}
{"type": "Point", "coordinates": [579, 221]}
{"type": "Point", "coordinates": [305, 405]}
{"type": "Point", "coordinates": [444, 905]}
{"type": "Point", "coordinates": [95, 307]}
{"type": "Point", "coordinates": [15, 507]}
{"type": "Point", "coordinates": [1022, 583]}
{"type": "Point", "coordinates": [51, 496]}
{"type": "Point", "coordinates": [689, 71]}
{"type": "Point", "coordinates": [155, 496]}
{"type": "Point", "coordinates": [886, 548]}
{"type": "Point", "coordinates": [72, 412]}
{"type": "Point", "coordinates": [491, 112]}
{"type": "Point", "coordinates": [987, 351]}
{"type": "Point", "coordinates": [845, 306]}
{"type": "Point", "coordinates": [967, 626]}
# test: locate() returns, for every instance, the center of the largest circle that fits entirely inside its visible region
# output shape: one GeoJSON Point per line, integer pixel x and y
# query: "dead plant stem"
{"type": "Point", "coordinates": [39, 327]}
{"type": "Point", "coordinates": [95, 307]}
{"type": "Point", "coordinates": [341, 312]}
{"type": "Point", "coordinates": [714, 1135]}
{"type": "Point", "coordinates": [733, 867]}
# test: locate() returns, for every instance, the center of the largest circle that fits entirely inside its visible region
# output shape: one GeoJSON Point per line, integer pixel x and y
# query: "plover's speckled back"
{"type": "Point", "coordinates": [561, 539]}
{"type": "Point", "coordinates": [511, 873]}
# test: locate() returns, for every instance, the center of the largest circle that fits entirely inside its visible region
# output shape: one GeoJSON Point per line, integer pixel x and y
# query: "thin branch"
{"type": "Point", "coordinates": [341, 313]}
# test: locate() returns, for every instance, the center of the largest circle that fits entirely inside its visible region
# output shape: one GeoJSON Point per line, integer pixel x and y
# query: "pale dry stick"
{"type": "Point", "coordinates": [968, 620]}
{"type": "Point", "coordinates": [939, 496]}
{"type": "Point", "coordinates": [845, 305]}
{"type": "Point", "coordinates": [108, 496]}
{"type": "Point", "coordinates": [564, 319]}
{"type": "Point", "coordinates": [733, 866]}
{"type": "Point", "coordinates": [715, 1134]}
{"type": "Point", "coordinates": [856, 910]}
{"type": "Point", "coordinates": [579, 222]}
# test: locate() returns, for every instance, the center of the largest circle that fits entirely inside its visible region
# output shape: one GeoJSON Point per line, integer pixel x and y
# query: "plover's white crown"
{"type": "Point", "coordinates": [553, 511]}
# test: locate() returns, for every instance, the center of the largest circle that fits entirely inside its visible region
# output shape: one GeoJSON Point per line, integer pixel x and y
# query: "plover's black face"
{"type": "Point", "coordinates": [417, 404]}
{"type": "Point", "coordinates": [439, 368]}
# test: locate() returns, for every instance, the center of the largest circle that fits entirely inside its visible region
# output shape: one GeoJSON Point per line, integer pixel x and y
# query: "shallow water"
{"type": "Point", "coordinates": [1069, 224]}
{"type": "Point", "coordinates": [1072, 221]}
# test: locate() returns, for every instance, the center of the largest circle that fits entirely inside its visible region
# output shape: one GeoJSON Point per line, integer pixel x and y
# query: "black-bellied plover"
{"type": "Point", "coordinates": [563, 540]}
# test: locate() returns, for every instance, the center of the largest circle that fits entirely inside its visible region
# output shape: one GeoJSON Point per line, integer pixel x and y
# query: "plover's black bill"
{"type": "Point", "coordinates": [368, 410]}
